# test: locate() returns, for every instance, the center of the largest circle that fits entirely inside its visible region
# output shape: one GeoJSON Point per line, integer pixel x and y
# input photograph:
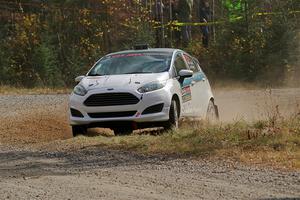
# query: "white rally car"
{"type": "Point", "coordinates": [141, 88]}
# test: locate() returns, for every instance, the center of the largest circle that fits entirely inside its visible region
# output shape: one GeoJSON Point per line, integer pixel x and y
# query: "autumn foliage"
{"type": "Point", "coordinates": [48, 43]}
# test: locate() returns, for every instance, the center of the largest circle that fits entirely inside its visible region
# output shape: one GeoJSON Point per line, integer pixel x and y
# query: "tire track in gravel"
{"type": "Point", "coordinates": [95, 173]}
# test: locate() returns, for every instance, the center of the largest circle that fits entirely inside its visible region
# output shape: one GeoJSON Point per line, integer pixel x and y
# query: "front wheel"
{"type": "Point", "coordinates": [79, 130]}
{"type": "Point", "coordinates": [212, 114]}
{"type": "Point", "coordinates": [173, 121]}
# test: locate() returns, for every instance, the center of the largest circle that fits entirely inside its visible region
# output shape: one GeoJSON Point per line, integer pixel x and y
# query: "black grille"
{"type": "Point", "coordinates": [153, 109]}
{"type": "Point", "coordinates": [111, 99]}
{"type": "Point", "coordinates": [112, 114]}
{"type": "Point", "coordinates": [76, 113]}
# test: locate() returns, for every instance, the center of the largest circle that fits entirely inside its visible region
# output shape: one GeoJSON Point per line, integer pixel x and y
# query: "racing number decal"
{"type": "Point", "coordinates": [186, 93]}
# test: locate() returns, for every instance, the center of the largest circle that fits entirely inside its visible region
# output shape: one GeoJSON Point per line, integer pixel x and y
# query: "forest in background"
{"type": "Point", "coordinates": [49, 43]}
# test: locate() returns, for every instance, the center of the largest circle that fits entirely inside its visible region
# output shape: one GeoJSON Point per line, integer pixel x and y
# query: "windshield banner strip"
{"type": "Point", "coordinates": [127, 55]}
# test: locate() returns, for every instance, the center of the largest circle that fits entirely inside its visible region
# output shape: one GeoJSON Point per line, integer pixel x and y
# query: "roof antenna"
{"type": "Point", "coordinates": [140, 46]}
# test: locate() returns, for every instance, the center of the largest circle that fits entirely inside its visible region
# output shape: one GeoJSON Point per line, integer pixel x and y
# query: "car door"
{"type": "Point", "coordinates": [180, 64]}
{"type": "Point", "coordinates": [198, 88]}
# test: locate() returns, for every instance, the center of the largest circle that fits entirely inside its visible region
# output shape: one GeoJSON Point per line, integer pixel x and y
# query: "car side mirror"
{"type": "Point", "coordinates": [185, 73]}
{"type": "Point", "coordinates": [79, 78]}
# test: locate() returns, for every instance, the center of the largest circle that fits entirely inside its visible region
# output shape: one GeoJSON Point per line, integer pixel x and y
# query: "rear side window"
{"type": "Point", "coordinates": [197, 65]}
{"type": "Point", "coordinates": [179, 63]}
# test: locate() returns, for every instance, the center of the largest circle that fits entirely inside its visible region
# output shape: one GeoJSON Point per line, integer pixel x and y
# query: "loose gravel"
{"type": "Point", "coordinates": [34, 164]}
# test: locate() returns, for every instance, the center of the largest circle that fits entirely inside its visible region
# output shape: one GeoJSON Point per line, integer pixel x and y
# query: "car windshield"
{"type": "Point", "coordinates": [132, 63]}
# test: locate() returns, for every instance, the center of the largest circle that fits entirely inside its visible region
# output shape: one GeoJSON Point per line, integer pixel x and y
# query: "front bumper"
{"type": "Point", "coordinates": [146, 100]}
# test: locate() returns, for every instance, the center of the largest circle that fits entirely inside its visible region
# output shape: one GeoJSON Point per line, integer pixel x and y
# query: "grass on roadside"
{"type": "Point", "coordinates": [10, 90]}
{"type": "Point", "coordinates": [263, 142]}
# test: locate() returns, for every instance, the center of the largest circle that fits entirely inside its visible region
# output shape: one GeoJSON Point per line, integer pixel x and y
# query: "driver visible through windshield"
{"type": "Point", "coordinates": [132, 63]}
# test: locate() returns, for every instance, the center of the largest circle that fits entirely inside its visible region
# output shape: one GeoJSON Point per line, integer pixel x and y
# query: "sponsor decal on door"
{"type": "Point", "coordinates": [186, 94]}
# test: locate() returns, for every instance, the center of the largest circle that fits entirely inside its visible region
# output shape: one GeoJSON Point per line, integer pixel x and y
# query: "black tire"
{"type": "Point", "coordinates": [212, 115]}
{"type": "Point", "coordinates": [79, 130]}
{"type": "Point", "coordinates": [173, 121]}
{"type": "Point", "coordinates": [122, 130]}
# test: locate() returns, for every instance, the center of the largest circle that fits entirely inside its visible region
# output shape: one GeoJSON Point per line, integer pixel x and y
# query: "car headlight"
{"type": "Point", "coordinates": [152, 86]}
{"type": "Point", "coordinates": [80, 90]}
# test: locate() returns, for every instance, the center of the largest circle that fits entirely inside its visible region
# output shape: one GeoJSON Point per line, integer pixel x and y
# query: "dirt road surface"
{"type": "Point", "coordinates": [36, 161]}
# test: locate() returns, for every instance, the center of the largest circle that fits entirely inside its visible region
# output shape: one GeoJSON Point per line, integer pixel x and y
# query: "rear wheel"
{"type": "Point", "coordinates": [173, 121]}
{"type": "Point", "coordinates": [212, 114]}
{"type": "Point", "coordinates": [79, 130]}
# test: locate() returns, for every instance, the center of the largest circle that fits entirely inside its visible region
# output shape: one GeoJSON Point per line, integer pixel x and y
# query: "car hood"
{"type": "Point", "coordinates": [132, 81]}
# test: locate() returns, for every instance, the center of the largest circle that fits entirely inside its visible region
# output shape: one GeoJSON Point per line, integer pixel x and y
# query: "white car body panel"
{"type": "Point", "coordinates": [195, 106]}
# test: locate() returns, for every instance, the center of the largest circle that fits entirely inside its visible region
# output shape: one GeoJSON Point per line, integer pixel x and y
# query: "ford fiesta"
{"type": "Point", "coordinates": [141, 88]}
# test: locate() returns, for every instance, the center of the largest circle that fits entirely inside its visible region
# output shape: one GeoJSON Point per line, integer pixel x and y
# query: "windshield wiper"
{"type": "Point", "coordinates": [96, 74]}
{"type": "Point", "coordinates": [138, 73]}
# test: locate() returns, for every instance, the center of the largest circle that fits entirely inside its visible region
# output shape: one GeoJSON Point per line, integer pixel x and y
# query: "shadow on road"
{"type": "Point", "coordinates": [29, 163]}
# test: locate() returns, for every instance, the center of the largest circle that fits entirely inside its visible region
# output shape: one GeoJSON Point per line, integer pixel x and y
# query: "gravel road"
{"type": "Point", "coordinates": [30, 169]}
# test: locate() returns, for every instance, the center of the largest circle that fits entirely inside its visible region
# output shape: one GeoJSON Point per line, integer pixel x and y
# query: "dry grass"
{"type": "Point", "coordinates": [9, 90]}
{"type": "Point", "coordinates": [264, 142]}
{"type": "Point", "coordinates": [275, 141]}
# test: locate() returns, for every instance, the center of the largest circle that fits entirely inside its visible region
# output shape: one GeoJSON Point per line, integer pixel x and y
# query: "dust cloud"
{"type": "Point", "coordinates": [258, 104]}
{"type": "Point", "coordinates": [292, 67]}
{"type": "Point", "coordinates": [33, 119]}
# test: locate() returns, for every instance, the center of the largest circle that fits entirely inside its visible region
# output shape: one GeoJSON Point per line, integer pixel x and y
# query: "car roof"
{"type": "Point", "coordinates": [158, 50]}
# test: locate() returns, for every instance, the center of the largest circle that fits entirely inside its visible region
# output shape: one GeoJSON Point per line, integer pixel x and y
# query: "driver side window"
{"type": "Point", "coordinates": [179, 63]}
